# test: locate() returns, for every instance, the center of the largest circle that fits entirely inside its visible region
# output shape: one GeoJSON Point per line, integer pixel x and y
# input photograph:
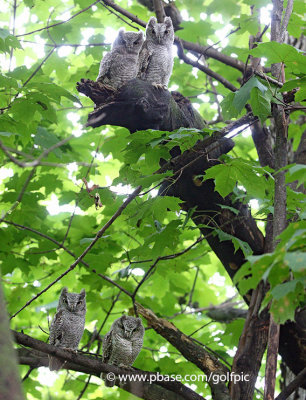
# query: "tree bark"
{"type": "Point", "coordinates": [10, 385]}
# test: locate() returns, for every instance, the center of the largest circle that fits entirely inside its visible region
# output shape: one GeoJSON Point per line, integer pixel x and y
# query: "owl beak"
{"type": "Point", "coordinates": [128, 334]}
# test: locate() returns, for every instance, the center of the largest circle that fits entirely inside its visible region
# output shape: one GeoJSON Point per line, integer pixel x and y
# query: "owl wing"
{"type": "Point", "coordinates": [107, 347]}
{"type": "Point", "coordinates": [105, 67]}
{"type": "Point", "coordinates": [136, 347]}
{"type": "Point", "coordinates": [56, 332]}
{"type": "Point", "coordinates": [143, 61]}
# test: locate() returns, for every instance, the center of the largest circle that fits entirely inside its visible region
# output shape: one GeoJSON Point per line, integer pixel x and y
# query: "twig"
{"type": "Point", "coordinates": [36, 162]}
{"type": "Point", "coordinates": [84, 388]}
{"type": "Point", "coordinates": [59, 23]}
{"type": "Point", "coordinates": [206, 70]}
{"type": "Point", "coordinates": [57, 45]}
{"type": "Point", "coordinates": [118, 16]}
{"type": "Point", "coordinates": [20, 196]}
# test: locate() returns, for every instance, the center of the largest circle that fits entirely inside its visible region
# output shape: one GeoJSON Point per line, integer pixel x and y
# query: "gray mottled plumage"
{"type": "Point", "coordinates": [156, 56]}
{"type": "Point", "coordinates": [122, 344]}
{"type": "Point", "coordinates": [67, 326]}
{"type": "Point", "coordinates": [121, 64]}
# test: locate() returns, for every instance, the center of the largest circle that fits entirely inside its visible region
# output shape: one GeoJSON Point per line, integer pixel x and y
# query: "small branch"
{"type": "Point", "coordinates": [159, 10]}
{"type": "Point", "coordinates": [59, 23]}
{"type": "Point", "coordinates": [84, 388]}
{"type": "Point", "coordinates": [20, 196]}
{"type": "Point", "coordinates": [79, 259]}
{"type": "Point", "coordinates": [284, 24]}
{"type": "Point", "coordinates": [118, 16]}
{"type": "Point", "coordinates": [36, 162]}
{"type": "Point", "coordinates": [206, 70]}
{"type": "Point", "coordinates": [295, 384]}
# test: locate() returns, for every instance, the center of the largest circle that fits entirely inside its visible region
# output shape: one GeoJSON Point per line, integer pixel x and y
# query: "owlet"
{"type": "Point", "coordinates": [67, 326]}
{"type": "Point", "coordinates": [121, 64]}
{"type": "Point", "coordinates": [122, 344]}
{"type": "Point", "coordinates": [156, 56]}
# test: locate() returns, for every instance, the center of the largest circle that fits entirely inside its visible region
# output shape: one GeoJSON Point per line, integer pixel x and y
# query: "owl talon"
{"type": "Point", "coordinates": [159, 86]}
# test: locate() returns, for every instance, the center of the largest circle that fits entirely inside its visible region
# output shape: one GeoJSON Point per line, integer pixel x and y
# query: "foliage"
{"type": "Point", "coordinates": [51, 218]}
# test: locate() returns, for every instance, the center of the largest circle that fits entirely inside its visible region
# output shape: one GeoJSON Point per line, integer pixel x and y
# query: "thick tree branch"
{"type": "Point", "coordinates": [96, 367]}
{"type": "Point", "coordinates": [200, 357]}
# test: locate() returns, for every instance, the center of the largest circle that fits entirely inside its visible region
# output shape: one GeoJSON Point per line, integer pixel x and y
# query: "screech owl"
{"type": "Point", "coordinates": [122, 344]}
{"type": "Point", "coordinates": [121, 64]}
{"type": "Point", "coordinates": [156, 56]}
{"type": "Point", "coordinates": [67, 326]}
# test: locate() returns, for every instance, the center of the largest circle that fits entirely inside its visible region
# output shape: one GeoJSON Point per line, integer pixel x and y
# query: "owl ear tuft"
{"type": "Point", "coordinates": [82, 293]}
{"type": "Point", "coordinates": [140, 34]}
{"type": "Point", "coordinates": [64, 291]}
{"type": "Point", "coordinates": [152, 21]}
{"type": "Point", "coordinates": [168, 22]}
{"type": "Point", "coordinates": [123, 318]}
{"type": "Point", "coordinates": [121, 32]}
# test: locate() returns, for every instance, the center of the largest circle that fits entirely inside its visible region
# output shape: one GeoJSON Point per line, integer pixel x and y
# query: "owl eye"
{"type": "Point", "coordinates": [65, 300]}
{"type": "Point", "coordinates": [153, 31]}
{"type": "Point", "coordinates": [80, 302]}
{"type": "Point", "coordinates": [136, 42]}
{"type": "Point", "coordinates": [166, 31]}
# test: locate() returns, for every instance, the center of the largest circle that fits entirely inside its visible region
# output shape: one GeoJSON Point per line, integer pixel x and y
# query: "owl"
{"type": "Point", "coordinates": [67, 325]}
{"type": "Point", "coordinates": [156, 56]}
{"type": "Point", "coordinates": [121, 64]}
{"type": "Point", "coordinates": [122, 344]}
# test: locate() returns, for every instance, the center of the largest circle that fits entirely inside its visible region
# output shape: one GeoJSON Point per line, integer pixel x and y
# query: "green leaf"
{"type": "Point", "coordinates": [261, 106]}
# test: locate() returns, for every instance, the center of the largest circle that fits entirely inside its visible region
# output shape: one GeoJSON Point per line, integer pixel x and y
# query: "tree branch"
{"type": "Point", "coordinates": [296, 383]}
{"type": "Point", "coordinates": [206, 362]}
{"type": "Point", "coordinates": [96, 367]}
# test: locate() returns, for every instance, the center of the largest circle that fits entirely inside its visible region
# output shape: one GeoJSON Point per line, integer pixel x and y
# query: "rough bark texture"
{"type": "Point", "coordinates": [10, 386]}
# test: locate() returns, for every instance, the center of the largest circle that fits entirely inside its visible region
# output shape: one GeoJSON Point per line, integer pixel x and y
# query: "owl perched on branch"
{"type": "Point", "coordinates": [120, 65]}
{"type": "Point", "coordinates": [67, 326]}
{"type": "Point", "coordinates": [122, 344]}
{"type": "Point", "coordinates": [156, 56]}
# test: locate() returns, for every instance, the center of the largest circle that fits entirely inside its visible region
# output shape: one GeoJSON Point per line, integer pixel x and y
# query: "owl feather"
{"type": "Point", "coordinates": [156, 57]}
{"type": "Point", "coordinates": [67, 326]}
{"type": "Point", "coordinates": [120, 65]}
{"type": "Point", "coordinates": [122, 344]}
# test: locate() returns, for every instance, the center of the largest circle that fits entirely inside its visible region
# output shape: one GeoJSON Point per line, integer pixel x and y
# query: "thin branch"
{"type": "Point", "coordinates": [203, 68]}
{"type": "Point", "coordinates": [84, 388]}
{"type": "Point", "coordinates": [295, 384]}
{"type": "Point", "coordinates": [20, 196]}
{"type": "Point", "coordinates": [59, 23]}
{"type": "Point", "coordinates": [36, 162]}
{"type": "Point", "coordinates": [118, 16]}
{"type": "Point", "coordinates": [285, 21]}
{"type": "Point", "coordinates": [77, 261]}
{"type": "Point", "coordinates": [57, 45]}
{"type": "Point", "coordinates": [159, 10]}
